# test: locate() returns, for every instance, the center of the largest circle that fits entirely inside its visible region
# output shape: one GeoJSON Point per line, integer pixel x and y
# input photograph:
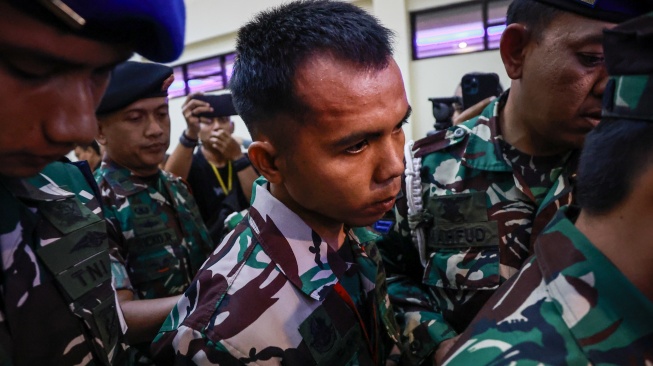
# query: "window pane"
{"type": "Point", "coordinates": [178, 87]}
{"type": "Point", "coordinates": [452, 31]}
{"type": "Point", "coordinates": [496, 20]}
{"type": "Point", "coordinates": [205, 75]}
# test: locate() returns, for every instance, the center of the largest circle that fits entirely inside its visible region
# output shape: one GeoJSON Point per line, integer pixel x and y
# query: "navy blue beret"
{"type": "Point", "coordinates": [155, 27]}
{"type": "Point", "coordinates": [221, 104]}
{"type": "Point", "coordinates": [613, 11]}
{"type": "Point", "coordinates": [132, 81]}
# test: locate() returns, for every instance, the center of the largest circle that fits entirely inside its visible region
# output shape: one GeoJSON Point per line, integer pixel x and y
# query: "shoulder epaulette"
{"type": "Point", "coordinates": [441, 140]}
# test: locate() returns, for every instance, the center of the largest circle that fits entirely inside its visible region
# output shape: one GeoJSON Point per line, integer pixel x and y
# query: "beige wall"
{"type": "Point", "coordinates": [212, 27]}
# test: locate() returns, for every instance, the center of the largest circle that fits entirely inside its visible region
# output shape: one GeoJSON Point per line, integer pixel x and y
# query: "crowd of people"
{"type": "Point", "coordinates": [521, 235]}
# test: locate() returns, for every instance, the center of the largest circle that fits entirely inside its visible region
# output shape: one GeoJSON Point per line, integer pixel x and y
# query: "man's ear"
{"type": "Point", "coordinates": [513, 47]}
{"type": "Point", "coordinates": [100, 137]}
{"type": "Point", "coordinates": [265, 158]}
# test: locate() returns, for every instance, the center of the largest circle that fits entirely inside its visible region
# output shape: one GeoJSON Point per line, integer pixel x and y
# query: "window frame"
{"type": "Point", "coordinates": [467, 4]}
{"type": "Point", "coordinates": [221, 58]}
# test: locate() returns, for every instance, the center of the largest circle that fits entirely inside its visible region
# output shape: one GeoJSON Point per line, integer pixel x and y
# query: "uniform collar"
{"type": "Point", "coordinates": [483, 150]}
{"type": "Point", "coordinates": [588, 289]}
{"type": "Point", "coordinates": [38, 187]}
{"type": "Point", "coordinates": [475, 142]}
{"type": "Point", "coordinates": [308, 262]}
{"type": "Point", "coordinates": [121, 180]}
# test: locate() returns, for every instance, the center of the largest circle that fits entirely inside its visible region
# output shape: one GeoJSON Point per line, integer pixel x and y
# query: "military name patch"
{"type": "Point", "coordinates": [469, 234]}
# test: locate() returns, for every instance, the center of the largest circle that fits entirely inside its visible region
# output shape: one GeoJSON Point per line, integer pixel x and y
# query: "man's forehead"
{"type": "Point", "coordinates": [148, 104]}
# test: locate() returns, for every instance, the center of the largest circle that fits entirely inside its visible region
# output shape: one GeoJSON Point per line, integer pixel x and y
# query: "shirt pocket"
{"type": "Point", "coordinates": [156, 272]}
{"type": "Point", "coordinates": [462, 245]}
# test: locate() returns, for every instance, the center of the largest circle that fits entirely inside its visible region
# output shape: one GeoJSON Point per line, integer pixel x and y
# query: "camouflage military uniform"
{"type": "Point", "coordinates": [58, 307]}
{"type": "Point", "coordinates": [569, 305]}
{"type": "Point", "coordinates": [474, 205]}
{"type": "Point", "coordinates": [161, 235]}
{"type": "Point", "coordinates": [273, 292]}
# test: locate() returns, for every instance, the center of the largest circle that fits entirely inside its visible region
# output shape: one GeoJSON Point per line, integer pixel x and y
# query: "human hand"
{"type": "Point", "coordinates": [443, 349]}
{"type": "Point", "coordinates": [472, 111]}
{"type": "Point", "coordinates": [191, 110]}
{"type": "Point", "coordinates": [222, 141]}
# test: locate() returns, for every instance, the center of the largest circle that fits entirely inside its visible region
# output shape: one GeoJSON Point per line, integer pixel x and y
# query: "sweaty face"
{"type": "Point", "coordinates": [344, 163]}
{"type": "Point", "coordinates": [51, 84]}
{"type": "Point", "coordinates": [138, 135]}
{"type": "Point", "coordinates": [563, 80]}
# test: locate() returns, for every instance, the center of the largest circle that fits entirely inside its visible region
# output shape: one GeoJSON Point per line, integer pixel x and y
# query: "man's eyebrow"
{"type": "Point", "coordinates": [592, 39]}
{"type": "Point", "coordinates": [367, 135]}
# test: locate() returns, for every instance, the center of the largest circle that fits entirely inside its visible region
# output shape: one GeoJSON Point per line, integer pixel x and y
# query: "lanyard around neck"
{"type": "Point", "coordinates": [225, 189]}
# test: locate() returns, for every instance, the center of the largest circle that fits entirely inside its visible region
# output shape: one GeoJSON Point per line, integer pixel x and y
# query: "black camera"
{"type": "Point", "coordinates": [443, 110]}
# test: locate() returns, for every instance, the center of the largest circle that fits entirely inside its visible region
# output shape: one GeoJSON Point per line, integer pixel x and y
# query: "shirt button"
{"type": "Point", "coordinates": [459, 132]}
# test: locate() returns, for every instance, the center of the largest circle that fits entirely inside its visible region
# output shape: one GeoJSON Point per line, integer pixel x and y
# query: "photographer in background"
{"type": "Point", "coordinates": [466, 103]}
{"type": "Point", "coordinates": [220, 175]}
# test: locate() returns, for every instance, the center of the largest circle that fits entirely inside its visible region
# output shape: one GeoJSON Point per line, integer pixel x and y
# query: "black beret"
{"type": "Point", "coordinates": [221, 104]}
{"type": "Point", "coordinates": [628, 50]}
{"type": "Point", "coordinates": [155, 27]}
{"type": "Point", "coordinates": [132, 81]}
{"type": "Point", "coordinates": [613, 11]}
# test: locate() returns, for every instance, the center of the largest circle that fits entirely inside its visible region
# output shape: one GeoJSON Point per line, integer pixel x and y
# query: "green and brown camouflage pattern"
{"type": "Point", "coordinates": [630, 97]}
{"type": "Point", "coordinates": [159, 233]}
{"type": "Point", "coordinates": [482, 205]}
{"type": "Point", "coordinates": [266, 297]}
{"type": "Point", "coordinates": [569, 305]}
{"type": "Point", "coordinates": [628, 50]}
{"type": "Point", "coordinates": [58, 306]}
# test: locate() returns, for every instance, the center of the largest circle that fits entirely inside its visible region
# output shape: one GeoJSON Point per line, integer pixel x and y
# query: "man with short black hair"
{"type": "Point", "coordinates": [300, 281]}
{"type": "Point", "coordinates": [586, 296]}
{"type": "Point", "coordinates": [160, 234]}
{"type": "Point", "coordinates": [479, 193]}
{"type": "Point", "coordinates": [58, 306]}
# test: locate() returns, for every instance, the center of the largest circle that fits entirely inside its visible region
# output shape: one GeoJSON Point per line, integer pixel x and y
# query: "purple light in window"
{"type": "Point", "coordinates": [448, 34]}
{"type": "Point", "coordinates": [496, 30]}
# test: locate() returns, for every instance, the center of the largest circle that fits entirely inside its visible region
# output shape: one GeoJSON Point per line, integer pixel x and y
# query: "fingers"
{"type": "Point", "coordinates": [192, 108]}
{"type": "Point", "coordinates": [473, 111]}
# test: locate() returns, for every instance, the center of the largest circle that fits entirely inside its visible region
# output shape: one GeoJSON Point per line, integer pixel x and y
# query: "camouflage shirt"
{"type": "Point", "coordinates": [569, 305]}
{"type": "Point", "coordinates": [58, 307]}
{"type": "Point", "coordinates": [473, 206]}
{"type": "Point", "coordinates": [161, 235]}
{"type": "Point", "coordinates": [274, 293]}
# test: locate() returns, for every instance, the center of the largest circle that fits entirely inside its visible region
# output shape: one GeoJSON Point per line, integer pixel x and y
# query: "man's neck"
{"type": "Point", "coordinates": [333, 233]}
{"type": "Point", "coordinates": [624, 237]}
{"type": "Point", "coordinates": [143, 172]}
{"type": "Point", "coordinates": [516, 131]}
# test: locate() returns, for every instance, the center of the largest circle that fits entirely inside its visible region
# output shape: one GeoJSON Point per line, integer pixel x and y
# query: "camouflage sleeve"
{"type": "Point", "coordinates": [119, 274]}
{"type": "Point", "coordinates": [181, 339]}
{"type": "Point", "coordinates": [422, 325]}
{"type": "Point", "coordinates": [513, 327]}
{"type": "Point", "coordinates": [187, 346]}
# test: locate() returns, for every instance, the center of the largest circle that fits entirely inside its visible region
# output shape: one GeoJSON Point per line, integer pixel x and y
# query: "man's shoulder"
{"type": "Point", "coordinates": [519, 320]}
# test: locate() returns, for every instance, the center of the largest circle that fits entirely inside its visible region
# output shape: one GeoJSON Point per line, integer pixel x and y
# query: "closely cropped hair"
{"type": "Point", "coordinates": [271, 47]}
{"type": "Point", "coordinates": [535, 15]}
{"type": "Point", "coordinates": [616, 152]}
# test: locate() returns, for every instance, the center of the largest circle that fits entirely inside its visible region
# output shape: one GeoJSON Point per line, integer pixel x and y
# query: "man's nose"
{"type": "Point", "coordinates": [71, 118]}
